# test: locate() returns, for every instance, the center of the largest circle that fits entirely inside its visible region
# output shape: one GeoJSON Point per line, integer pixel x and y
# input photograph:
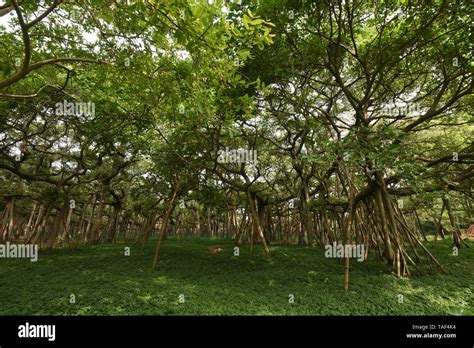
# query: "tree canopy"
{"type": "Point", "coordinates": [294, 121]}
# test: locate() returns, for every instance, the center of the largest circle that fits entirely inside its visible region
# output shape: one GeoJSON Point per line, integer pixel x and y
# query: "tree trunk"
{"type": "Point", "coordinates": [164, 225]}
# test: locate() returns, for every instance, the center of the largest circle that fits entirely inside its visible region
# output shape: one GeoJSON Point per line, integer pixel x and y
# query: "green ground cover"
{"type": "Point", "coordinates": [105, 282]}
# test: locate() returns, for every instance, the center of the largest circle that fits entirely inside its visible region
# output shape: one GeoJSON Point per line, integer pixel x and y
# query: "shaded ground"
{"type": "Point", "coordinates": [106, 282]}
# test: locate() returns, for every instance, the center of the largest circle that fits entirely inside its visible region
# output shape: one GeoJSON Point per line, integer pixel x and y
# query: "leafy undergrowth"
{"type": "Point", "coordinates": [105, 282]}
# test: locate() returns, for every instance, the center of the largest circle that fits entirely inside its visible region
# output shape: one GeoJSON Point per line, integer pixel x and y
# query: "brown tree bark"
{"type": "Point", "coordinates": [165, 223]}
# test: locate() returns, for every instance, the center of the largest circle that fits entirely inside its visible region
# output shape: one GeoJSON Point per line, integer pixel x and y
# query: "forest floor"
{"type": "Point", "coordinates": [106, 282]}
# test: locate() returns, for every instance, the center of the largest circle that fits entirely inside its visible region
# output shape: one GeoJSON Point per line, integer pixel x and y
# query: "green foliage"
{"type": "Point", "coordinates": [105, 282]}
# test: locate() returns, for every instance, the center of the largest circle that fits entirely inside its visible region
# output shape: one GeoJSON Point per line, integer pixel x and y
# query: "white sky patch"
{"type": "Point", "coordinates": [90, 38]}
{"type": "Point", "coordinates": [93, 145]}
{"type": "Point", "coordinates": [75, 148]}
{"type": "Point", "coordinates": [182, 54]}
{"type": "Point", "coordinates": [39, 119]}
{"type": "Point", "coordinates": [57, 164]}
{"type": "Point", "coordinates": [398, 13]}
{"type": "Point", "coordinates": [15, 151]}
{"type": "Point", "coordinates": [5, 22]}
